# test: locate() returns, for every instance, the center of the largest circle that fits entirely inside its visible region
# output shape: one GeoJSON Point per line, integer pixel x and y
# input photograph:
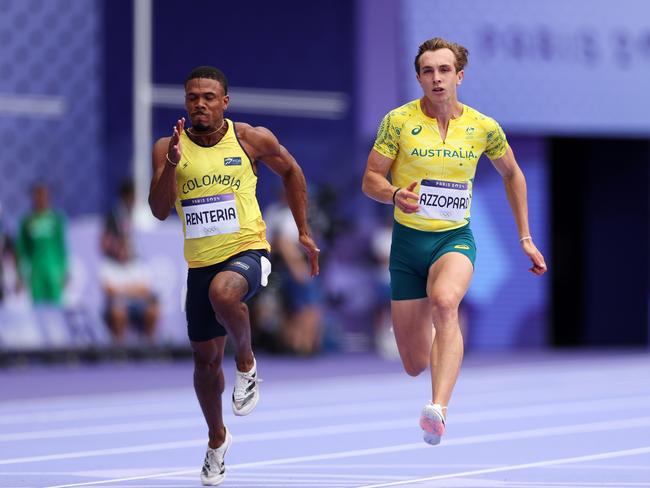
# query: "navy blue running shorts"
{"type": "Point", "coordinates": [202, 325]}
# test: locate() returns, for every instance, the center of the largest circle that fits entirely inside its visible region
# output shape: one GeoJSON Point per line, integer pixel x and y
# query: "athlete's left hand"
{"type": "Point", "coordinates": [539, 265]}
{"type": "Point", "coordinates": [312, 251]}
{"type": "Point", "coordinates": [406, 200]}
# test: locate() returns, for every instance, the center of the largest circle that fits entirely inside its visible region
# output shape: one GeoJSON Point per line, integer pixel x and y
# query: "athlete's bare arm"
{"type": "Point", "coordinates": [162, 192]}
{"type": "Point", "coordinates": [515, 184]}
{"type": "Point", "coordinates": [376, 185]}
{"type": "Point", "coordinates": [262, 145]}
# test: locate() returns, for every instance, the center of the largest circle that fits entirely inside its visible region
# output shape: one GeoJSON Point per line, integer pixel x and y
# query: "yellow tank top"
{"type": "Point", "coordinates": [216, 201]}
{"type": "Point", "coordinates": [444, 169]}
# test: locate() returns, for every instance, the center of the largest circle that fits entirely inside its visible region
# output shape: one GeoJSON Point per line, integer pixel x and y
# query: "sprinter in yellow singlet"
{"type": "Point", "coordinates": [209, 173]}
{"type": "Point", "coordinates": [431, 147]}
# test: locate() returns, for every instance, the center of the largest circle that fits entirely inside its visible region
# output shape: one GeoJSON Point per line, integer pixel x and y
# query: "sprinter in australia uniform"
{"type": "Point", "coordinates": [431, 147]}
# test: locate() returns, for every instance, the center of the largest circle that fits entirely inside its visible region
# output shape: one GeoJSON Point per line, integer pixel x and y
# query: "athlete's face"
{"type": "Point", "coordinates": [438, 77]}
{"type": "Point", "coordinates": [205, 102]}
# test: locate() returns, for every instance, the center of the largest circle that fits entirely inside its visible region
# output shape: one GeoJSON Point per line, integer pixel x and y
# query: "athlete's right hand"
{"type": "Point", "coordinates": [174, 149]}
{"type": "Point", "coordinates": [403, 199]}
{"type": "Point", "coordinates": [536, 258]}
{"type": "Point", "coordinates": [312, 251]}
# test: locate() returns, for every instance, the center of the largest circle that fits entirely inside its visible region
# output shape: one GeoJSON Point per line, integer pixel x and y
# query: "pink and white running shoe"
{"type": "Point", "coordinates": [432, 422]}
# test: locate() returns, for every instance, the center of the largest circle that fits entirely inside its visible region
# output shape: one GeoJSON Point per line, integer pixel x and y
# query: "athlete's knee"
{"type": "Point", "coordinates": [203, 363]}
{"type": "Point", "coordinates": [206, 373]}
{"type": "Point", "coordinates": [206, 358]}
{"type": "Point", "coordinates": [224, 298]}
{"type": "Point", "coordinates": [444, 306]}
{"type": "Point", "coordinates": [414, 366]}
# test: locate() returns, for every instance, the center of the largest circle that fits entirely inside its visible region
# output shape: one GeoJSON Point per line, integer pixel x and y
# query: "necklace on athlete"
{"type": "Point", "coordinates": [209, 133]}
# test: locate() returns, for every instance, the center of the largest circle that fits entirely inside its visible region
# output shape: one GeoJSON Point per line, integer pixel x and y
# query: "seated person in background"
{"type": "Point", "coordinates": [300, 329]}
{"type": "Point", "coordinates": [126, 280]}
{"type": "Point", "coordinates": [7, 256]}
{"type": "Point", "coordinates": [130, 299]}
{"type": "Point", "coordinates": [380, 242]}
{"type": "Point", "coordinates": [118, 223]}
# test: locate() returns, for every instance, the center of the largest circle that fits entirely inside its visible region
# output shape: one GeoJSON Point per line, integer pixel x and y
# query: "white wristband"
{"type": "Point", "coordinates": [170, 161]}
{"type": "Point", "coordinates": [526, 238]}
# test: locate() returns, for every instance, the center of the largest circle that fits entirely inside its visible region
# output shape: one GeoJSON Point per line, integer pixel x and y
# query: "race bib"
{"type": "Point", "coordinates": [209, 216]}
{"type": "Point", "coordinates": [443, 200]}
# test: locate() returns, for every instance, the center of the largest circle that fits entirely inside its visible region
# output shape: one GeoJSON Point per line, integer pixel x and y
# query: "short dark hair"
{"type": "Point", "coordinates": [209, 72]}
{"type": "Point", "coordinates": [460, 52]}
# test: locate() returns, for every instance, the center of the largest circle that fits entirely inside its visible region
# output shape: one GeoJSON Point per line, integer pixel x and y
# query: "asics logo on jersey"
{"type": "Point", "coordinates": [416, 130]}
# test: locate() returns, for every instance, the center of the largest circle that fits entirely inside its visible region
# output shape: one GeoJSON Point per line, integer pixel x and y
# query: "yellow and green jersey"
{"type": "Point", "coordinates": [444, 169]}
{"type": "Point", "coordinates": [216, 201]}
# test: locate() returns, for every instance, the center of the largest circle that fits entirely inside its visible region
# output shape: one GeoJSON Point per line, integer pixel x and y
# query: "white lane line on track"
{"type": "Point", "coordinates": [63, 401]}
{"type": "Point", "coordinates": [95, 413]}
{"type": "Point", "coordinates": [537, 410]}
{"type": "Point", "coordinates": [348, 428]}
{"type": "Point", "coordinates": [473, 375]}
{"type": "Point", "coordinates": [504, 436]}
{"type": "Point", "coordinates": [289, 385]}
{"type": "Point", "coordinates": [158, 425]}
{"type": "Point", "coordinates": [47, 413]}
{"type": "Point", "coordinates": [393, 466]}
{"type": "Point", "coordinates": [516, 467]}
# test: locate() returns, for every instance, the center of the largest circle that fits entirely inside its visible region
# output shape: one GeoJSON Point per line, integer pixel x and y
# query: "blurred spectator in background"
{"type": "Point", "coordinates": [41, 249]}
{"type": "Point", "coordinates": [380, 242]}
{"type": "Point", "coordinates": [6, 255]}
{"type": "Point", "coordinates": [300, 327]}
{"type": "Point", "coordinates": [126, 280]}
{"type": "Point", "coordinates": [118, 223]}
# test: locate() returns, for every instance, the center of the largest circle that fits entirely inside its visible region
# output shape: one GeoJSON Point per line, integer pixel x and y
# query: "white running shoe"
{"type": "Point", "coordinates": [246, 393]}
{"type": "Point", "coordinates": [214, 469]}
{"type": "Point", "coordinates": [432, 422]}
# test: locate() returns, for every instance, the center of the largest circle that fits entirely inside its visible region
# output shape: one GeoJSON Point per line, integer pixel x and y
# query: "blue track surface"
{"type": "Point", "coordinates": [552, 420]}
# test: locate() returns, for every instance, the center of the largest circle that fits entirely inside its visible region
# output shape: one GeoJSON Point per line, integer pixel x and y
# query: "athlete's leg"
{"type": "Point", "coordinates": [227, 290]}
{"type": "Point", "coordinates": [413, 333]}
{"type": "Point", "coordinates": [448, 281]}
{"type": "Point", "coordinates": [209, 385]}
